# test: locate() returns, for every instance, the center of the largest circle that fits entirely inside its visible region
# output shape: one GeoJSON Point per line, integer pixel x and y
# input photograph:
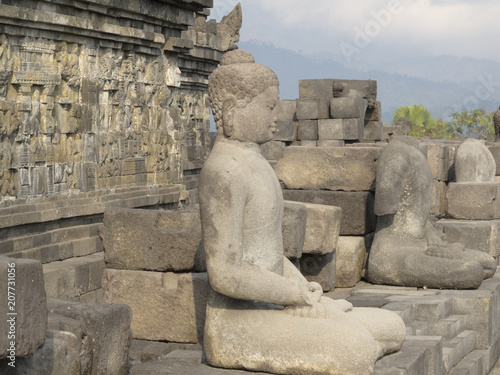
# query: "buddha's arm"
{"type": "Point", "coordinates": [222, 206]}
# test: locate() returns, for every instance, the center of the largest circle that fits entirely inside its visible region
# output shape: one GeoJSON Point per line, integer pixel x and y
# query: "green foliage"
{"type": "Point", "coordinates": [476, 123]}
{"type": "Point", "coordinates": [422, 123]}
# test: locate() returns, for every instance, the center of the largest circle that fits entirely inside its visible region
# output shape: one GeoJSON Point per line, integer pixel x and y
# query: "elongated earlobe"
{"type": "Point", "coordinates": [227, 117]}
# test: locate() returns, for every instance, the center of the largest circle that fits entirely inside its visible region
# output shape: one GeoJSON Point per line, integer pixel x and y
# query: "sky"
{"type": "Point", "coordinates": [360, 31]}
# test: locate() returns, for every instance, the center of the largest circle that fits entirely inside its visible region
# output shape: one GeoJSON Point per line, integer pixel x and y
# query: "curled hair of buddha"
{"type": "Point", "coordinates": [238, 78]}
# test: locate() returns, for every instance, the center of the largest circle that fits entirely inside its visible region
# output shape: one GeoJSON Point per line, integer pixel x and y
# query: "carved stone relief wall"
{"type": "Point", "coordinates": [97, 97]}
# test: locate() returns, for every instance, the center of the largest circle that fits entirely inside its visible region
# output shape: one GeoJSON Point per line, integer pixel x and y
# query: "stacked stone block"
{"type": "Point", "coordinates": [441, 158]}
{"type": "Point", "coordinates": [155, 264]}
{"type": "Point", "coordinates": [472, 200]}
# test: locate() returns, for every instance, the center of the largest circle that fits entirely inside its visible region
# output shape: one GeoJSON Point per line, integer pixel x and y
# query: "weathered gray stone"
{"type": "Point", "coordinates": [438, 198]}
{"type": "Point", "coordinates": [165, 306]}
{"type": "Point", "coordinates": [73, 277]}
{"type": "Point", "coordinates": [322, 228]}
{"type": "Point", "coordinates": [437, 157]}
{"type": "Point", "coordinates": [320, 268]}
{"type": "Point", "coordinates": [330, 129]}
{"type": "Point", "coordinates": [482, 235]}
{"type": "Point", "coordinates": [348, 107]}
{"type": "Point", "coordinates": [474, 162]}
{"type": "Point", "coordinates": [307, 130]}
{"type": "Point", "coordinates": [350, 87]}
{"type": "Point", "coordinates": [316, 88]}
{"type": "Point", "coordinates": [373, 131]}
{"type": "Point", "coordinates": [60, 355]}
{"type": "Point", "coordinates": [351, 255]}
{"type": "Point", "coordinates": [295, 220]}
{"type": "Point", "coordinates": [353, 128]}
{"type": "Point", "coordinates": [331, 143]}
{"type": "Point", "coordinates": [104, 331]}
{"type": "Point", "coordinates": [473, 200]}
{"type": "Point", "coordinates": [407, 250]}
{"type": "Point", "coordinates": [495, 151]}
{"type": "Point", "coordinates": [173, 242]}
{"type": "Point", "coordinates": [358, 217]}
{"type": "Point", "coordinates": [23, 307]}
{"type": "Point", "coordinates": [285, 131]}
{"type": "Point", "coordinates": [307, 143]}
{"type": "Point", "coordinates": [308, 109]}
{"type": "Point", "coordinates": [273, 150]}
{"type": "Point", "coordinates": [374, 113]}
{"type": "Point", "coordinates": [286, 110]}
{"type": "Point", "coordinates": [349, 169]}
{"type": "Point", "coordinates": [241, 209]}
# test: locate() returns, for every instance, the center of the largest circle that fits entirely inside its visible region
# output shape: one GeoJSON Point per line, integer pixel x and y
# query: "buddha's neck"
{"type": "Point", "coordinates": [241, 144]}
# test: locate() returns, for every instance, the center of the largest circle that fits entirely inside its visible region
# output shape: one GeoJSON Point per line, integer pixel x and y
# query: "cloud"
{"type": "Point", "coordinates": [421, 27]}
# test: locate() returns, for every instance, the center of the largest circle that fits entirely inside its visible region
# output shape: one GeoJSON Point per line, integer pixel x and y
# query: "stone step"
{"type": "Point", "coordinates": [474, 363]}
{"type": "Point", "coordinates": [74, 277]}
{"type": "Point", "coordinates": [49, 237]}
{"type": "Point", "coordinates": [456, 349]}
{"type": "Point", "coordinates": [448, 327]}
{"type": "Point", "coordinates": [419, 355]}
{"type": "Point", "coordinates": [61, 251]}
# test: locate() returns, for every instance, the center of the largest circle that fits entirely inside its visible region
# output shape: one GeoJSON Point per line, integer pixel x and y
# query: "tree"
{"type": "Point", "coordinates": [476, 123]}
{"type": "Point", "coordinates": [422, 123]}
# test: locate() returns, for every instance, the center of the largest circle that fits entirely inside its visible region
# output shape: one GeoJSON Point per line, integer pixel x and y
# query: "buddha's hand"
{"type": "Point", "coordinates": [311, 293]}
{"type": "Point", "coordinates": [326, 308]}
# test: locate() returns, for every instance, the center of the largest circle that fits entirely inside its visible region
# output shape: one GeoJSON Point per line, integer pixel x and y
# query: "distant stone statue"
{"type": "Point", "coordinates": [474, 162]}
{"type": "Point", "coordinates": [262, 314]}
{"type": "Point", "coordinates": [407, 250]}
{"type": "Point", "coordinates": [496, 122]}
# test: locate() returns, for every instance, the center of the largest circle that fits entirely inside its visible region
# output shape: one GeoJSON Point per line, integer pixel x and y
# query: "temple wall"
{"type": "Point", "coordinates": [96, 97]}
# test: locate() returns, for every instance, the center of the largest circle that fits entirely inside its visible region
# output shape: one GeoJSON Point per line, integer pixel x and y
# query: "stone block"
{"type": "Point", "coordinates": [138, 239]}
{"type": "Point", "coordinates": [343, 168]}
{"type": "Point", "coordinates": [366, 89]}
{"type": "Point", "coordinates": [495, 151]}
{"type": "Point", "coordinates": [482, 235]}
{"type": "Point", "coordinates": [308, 109]}
{"type": "Point", "coordinates": [473, 201]}
{"type": "Point", "coordinates": [286, 110]}
{"type": "Point", "coordinates": [331, 143]}
{"type": "Point", "coordinates": [316, 88]}
{"type": "Point", "coordinates": [351, 255]}
{"type": "Point", "coordinates": [348, 107]}
{"type": "Point", "coordinates": [23, 307]}
{"type": "Point", "coordinates": [353, 129]}
{"type": "Point", "coordinates": [319, 268]}
{"type": "Point", "coordinates": [73, 277]}
{"type": "Point", "coordinates": [330, 129]}
{"type": "Point", "coordinates": [374, 113]}
{"type": "Point", "coordinates": [294, 228]}
{"type": "Point", "coordinates": [285, 131]}
{"type": "Point", "coordinates": [358, 217]}
{"type": "Point", "coordinates": [306, 143]}
{"type": "Point", "coordinates": [273, 150]}
{"type": "Point", "coordinates": [373, 131]}
{"type": "Point", "coordinates": [165, 306]}
{"type": "Point", "coordinates": [307, 130]}
{"type": "Point", "coordinates": [59, 355]}
{"type": "Point", "coordinates": [322, 228]}
{"type": "Point", "coordinates": [104, 331]}
{"type": "Point", "coordinates": [438, 198]}
{"type": "Point", "coordinates": [437, 157]}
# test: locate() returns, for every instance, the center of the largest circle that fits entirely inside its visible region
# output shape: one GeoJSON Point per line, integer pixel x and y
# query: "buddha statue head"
{"type": "Point", "coordinates": [243, 95]}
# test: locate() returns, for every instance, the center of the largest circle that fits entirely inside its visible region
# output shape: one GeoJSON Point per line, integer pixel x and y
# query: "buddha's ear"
{"type": "Point", "coordinates": [227, 116]}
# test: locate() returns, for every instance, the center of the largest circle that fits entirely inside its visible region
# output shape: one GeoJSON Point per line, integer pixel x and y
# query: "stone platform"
{"type": "Point", "coordinates": [454, 332]}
